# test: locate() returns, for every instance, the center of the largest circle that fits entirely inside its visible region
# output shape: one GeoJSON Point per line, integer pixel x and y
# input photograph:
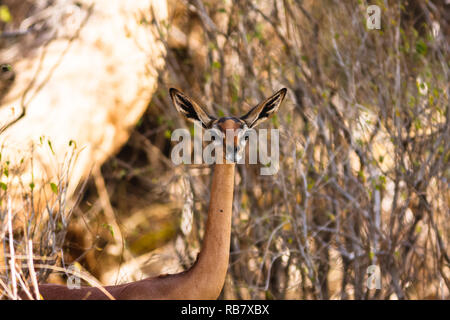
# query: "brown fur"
{"type": "Point", "coordinates": [204, 280]}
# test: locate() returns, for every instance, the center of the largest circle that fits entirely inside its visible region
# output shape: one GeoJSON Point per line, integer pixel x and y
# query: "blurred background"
{"type": "Point", "coordinates": [362, 194]}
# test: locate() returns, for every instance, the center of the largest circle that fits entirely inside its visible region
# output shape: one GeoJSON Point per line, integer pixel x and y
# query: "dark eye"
{"type": "Point", "coordinates": [246, 138]}
{"type": "Point", "coordinates": [215, 135]}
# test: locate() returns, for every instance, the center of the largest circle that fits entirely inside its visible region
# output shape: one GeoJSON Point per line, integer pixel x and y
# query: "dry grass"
{"type": "Point", "coordinates": [33, 224]}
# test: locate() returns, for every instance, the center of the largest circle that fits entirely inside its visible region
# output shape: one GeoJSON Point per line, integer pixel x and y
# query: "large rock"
{"type": "Point", "coordinates": [90, 84]}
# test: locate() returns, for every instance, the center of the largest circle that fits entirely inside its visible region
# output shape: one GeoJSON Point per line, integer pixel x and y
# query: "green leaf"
{"type": "Point", "coordinates": [5, 15]}
{"type": "Point", "coordinates": [7, 67]}
{"type": "Point", "coordinates": [109, 227]}
{"type": "Point", "coordinates": [289, 119]}
{"type": "Point", "coordinates": [122, 173]}
{"type": "Point", "coordinates": [72, 142]}
{"type": "Point", "coordinates": [50, 145]}
{"type": "Point", "coordinates": [275, 121]}
{"type": "Point", "coordinates": [3, 186]}
{"type": "Point", "coordinates": [269, 295]}
{"type": "Point", "coordinates": [32, 185]}
{"type": "Point", "coordinates": [418, 229]}
{"type": "Point", "coordinates": [421, 47]}
{"type": "Point", "coordinates": [417, 124]}
{"type": "Point", "coordinates": [54, 188]}
{"type": "Point", "coordinates": [362, 176]}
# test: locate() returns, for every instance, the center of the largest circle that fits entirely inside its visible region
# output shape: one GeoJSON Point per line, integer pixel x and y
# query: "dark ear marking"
{"type": "Point", "coordinates": [264, 109]}
{"type": "Point", "coordinates": [189, 108]}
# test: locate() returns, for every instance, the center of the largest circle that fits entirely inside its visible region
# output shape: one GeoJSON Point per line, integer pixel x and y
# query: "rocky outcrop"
{"type": "Point", "coordinates": [88, 81]}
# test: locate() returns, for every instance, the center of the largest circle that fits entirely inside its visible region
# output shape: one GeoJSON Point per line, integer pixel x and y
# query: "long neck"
{"type": "Point", "coordinates": [211, 266]}
{"type": "Point", "coordinates": [204, 280]}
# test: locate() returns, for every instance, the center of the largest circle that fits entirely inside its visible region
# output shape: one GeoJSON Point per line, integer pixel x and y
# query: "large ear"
{"type": "Point", "coordinates": [264, 110]}
{"type": "Point", "coordinates": [189, 108]}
